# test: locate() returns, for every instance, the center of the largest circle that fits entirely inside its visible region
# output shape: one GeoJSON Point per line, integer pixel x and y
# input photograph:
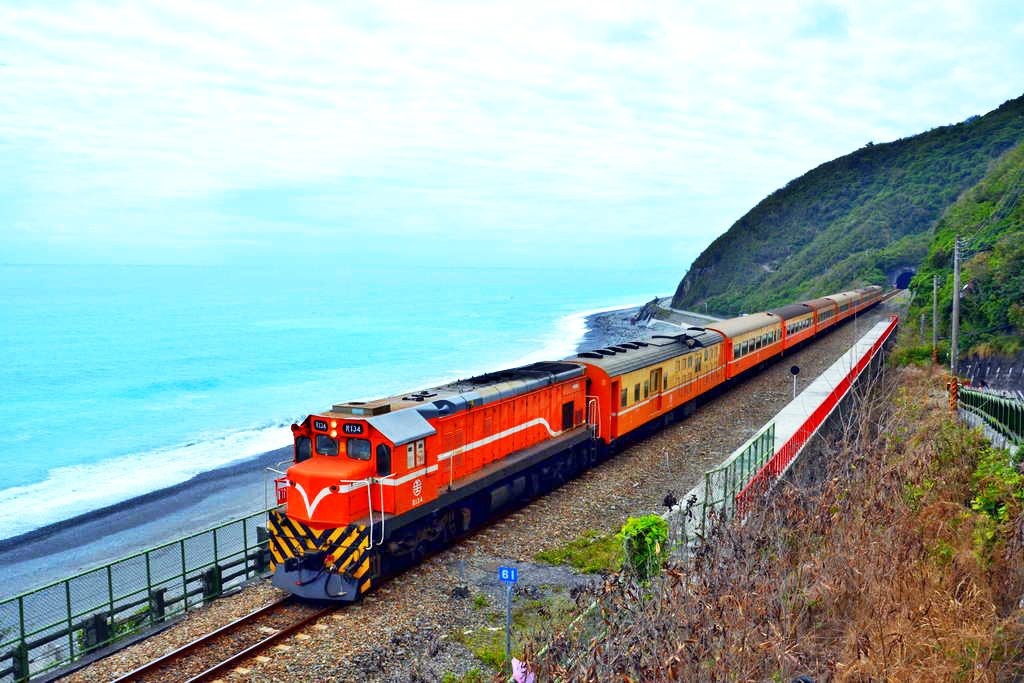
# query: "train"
{"type": "Point", "coordinates": [376, 486]}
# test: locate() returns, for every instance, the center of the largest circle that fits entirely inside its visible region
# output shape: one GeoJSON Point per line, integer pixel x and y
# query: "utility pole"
{"type": "Point", "coordinates": [935, 319]}
{"type": "Point", "coordinates": [954, 341]}
{"type": "Point", "coordinates": [920, 333]}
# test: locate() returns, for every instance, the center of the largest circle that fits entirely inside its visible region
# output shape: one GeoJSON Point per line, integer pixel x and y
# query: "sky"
{"type": "Point", "coordinates": [465, 134]}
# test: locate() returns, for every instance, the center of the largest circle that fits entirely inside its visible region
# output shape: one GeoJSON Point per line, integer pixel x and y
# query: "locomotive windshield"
{"type": "Point", "coordinates": [325, 445]}
{"type": "Point", "coordinates": [358, 449]}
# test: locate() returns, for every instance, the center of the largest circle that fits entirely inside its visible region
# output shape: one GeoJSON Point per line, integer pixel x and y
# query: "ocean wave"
{"type": "Point", "coordinates": [76, 489]}
{"type": "Point", "coordinates": [568, 334]}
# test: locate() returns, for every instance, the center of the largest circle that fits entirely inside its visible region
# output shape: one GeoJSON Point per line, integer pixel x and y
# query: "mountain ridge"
{"type": "Point", "coordinates": [850, 220]}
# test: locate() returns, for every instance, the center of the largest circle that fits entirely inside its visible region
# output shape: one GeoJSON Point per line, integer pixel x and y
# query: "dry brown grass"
{"type": "Point", "coordinates": [879, 571]}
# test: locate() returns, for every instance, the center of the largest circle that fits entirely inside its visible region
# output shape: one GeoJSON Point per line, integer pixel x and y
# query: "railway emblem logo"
{"type": "Point", "coordinates": [417, 487]}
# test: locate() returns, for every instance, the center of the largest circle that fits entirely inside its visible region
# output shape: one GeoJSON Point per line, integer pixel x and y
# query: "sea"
{"type": "Point", "coordinates": [116, 381]}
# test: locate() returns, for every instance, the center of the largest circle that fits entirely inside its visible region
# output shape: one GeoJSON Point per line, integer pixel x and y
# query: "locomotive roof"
{"type": "Point", "coordinates": [790, 311]}
{"type": "Point", "coordinates": [618, 359]}
{"type": "Point", "coordinates": [402, 418]}
{"type": "Point", "coordinates": [733, 327]}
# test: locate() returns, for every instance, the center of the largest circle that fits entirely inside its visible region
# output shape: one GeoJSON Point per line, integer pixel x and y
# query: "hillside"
{"type": "Point", "coordinates": [848, 221]}
{"type": "Point", "coordinates": [990, 218]}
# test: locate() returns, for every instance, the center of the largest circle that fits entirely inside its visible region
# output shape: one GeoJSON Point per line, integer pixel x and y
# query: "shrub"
{"type": "Point", "coordinates": [644, 542]}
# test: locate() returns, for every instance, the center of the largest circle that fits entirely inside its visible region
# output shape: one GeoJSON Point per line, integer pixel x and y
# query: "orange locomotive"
{"type": "Point", "coordinates": [375, 486]}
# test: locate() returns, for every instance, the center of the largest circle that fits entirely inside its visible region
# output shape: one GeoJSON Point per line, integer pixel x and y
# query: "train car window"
{"type": "Point", "coordinates": [625, 398]}
{"type": "Point", "coordinates": [666, 381]}
{"type": "Point", "coordinates": [359, 449]}
{"type": "Point", "coordinates": [303, 448]}
{"type": "Point", "coordinates": [647, 388]}
{"type": "Point", "coordinates": [636, 392]}
{"type": "Point", "coordinates": [421, 453]}
{"type": "Point", "coordinates": [410, 456]}
{"type": "Point", "coordinates": [325, 445]}
{"type": "Point", "coordinates": [383, 460]}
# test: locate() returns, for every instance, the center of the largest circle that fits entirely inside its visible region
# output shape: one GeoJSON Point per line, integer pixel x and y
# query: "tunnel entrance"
{"type": "Point", "coordinates": [903, 280]}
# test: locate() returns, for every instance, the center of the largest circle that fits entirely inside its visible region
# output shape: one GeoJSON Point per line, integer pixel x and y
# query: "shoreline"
{"type": "Point", "coordinates": [209, 498]}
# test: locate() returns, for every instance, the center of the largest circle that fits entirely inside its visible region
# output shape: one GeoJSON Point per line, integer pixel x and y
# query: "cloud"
{"type": "Point", "coordinates": [607, 128]}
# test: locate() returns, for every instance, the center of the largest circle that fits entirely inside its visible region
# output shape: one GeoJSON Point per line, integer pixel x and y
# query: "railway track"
{"type": "Point", "coordinates": [220, 651]}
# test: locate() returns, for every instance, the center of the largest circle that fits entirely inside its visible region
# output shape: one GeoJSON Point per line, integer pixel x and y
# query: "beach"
{"type": "Point", "coordinates": [58, 550]}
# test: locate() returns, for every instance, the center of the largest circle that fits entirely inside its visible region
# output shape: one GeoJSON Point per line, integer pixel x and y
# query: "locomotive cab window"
{"type": "Point", "coordinates": [358, 449]}
{"type": "Point", "coordinates": [325, 445]}
{"type": "Point", "coordinates": [383, 460]}
{"type": "Point", "coordinates": [303, 448]}
{"type": "Point", "coordinates": [410, 456]}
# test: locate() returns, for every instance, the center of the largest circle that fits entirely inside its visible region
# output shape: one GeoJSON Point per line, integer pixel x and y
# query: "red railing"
{"type": "Point", "coordinates": [777, 464]}
{"type": "Point", "coordinates": [281, 490]}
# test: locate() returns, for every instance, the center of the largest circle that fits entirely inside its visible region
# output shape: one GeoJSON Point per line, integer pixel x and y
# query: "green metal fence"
{"type": "Point", "coordinates": [724, 483]}
{"type": "Point", "coordinates": [1004, 415]}
{"type": "Point", "coordinates": [716, 494]}
{"type": "Point", "coordinates": [61, 622]}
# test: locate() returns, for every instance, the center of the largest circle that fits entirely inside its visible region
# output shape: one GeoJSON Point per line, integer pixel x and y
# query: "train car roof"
{"type": "Point", "coordinates": [733, 327]}
{"type": "Point", "coordinates": [818, 304]}
{"type": "Point", "coordinates": [403, 418]}
{"type": "Point", "coordinates": [844, 297]}
{"type": "Point", "coordinates": [790, 311]}
{"type": "Point", "coordinates": [618, 359]}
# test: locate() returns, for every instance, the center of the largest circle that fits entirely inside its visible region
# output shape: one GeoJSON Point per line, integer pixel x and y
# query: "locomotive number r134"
{"type": "Point", "coordinates": [352, 428]}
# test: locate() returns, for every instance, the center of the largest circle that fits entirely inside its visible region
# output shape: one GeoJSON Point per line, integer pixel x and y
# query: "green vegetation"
{"type": "Point", "coordinates": [644, 540]}
{"type": "Point", "coordinates": [474, 675]}
{"type": "Point", "coordinates": [997, 485]}
{"type": "Point", "coordinates": [591, 553]}
{"type": "Point", "coordinates": [530, 621]}
{"type": "Point", "coordinates": [990, 218]}
{"type": "Point", "coordinates": [480, 601]}
{"type": "Point", "coordinates": [850, 220]}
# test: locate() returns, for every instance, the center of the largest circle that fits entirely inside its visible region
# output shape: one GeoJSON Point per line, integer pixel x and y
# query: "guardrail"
{"type": "Point", "coordinates": [63, 621]}
{"type": "Point", "coordinates": [1004, 415]}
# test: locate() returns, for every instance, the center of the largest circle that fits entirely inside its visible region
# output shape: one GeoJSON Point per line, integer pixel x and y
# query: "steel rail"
{"type": "Point", "coordinates": [174, 655]}
{"type": "Point", "coordinates": [250, 651]}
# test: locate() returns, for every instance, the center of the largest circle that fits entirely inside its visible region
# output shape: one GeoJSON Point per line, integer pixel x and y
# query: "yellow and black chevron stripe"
{"type": "Point", "coordinates": [347, 546]}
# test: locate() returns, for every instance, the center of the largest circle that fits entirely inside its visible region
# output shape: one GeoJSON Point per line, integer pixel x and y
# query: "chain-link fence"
{"type": "Point", "coordinates": [61, 622]}
{"type": "Point", "coordinates": [716, 496]}
{"type": "Point", "coordinates": [1004, 415]}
